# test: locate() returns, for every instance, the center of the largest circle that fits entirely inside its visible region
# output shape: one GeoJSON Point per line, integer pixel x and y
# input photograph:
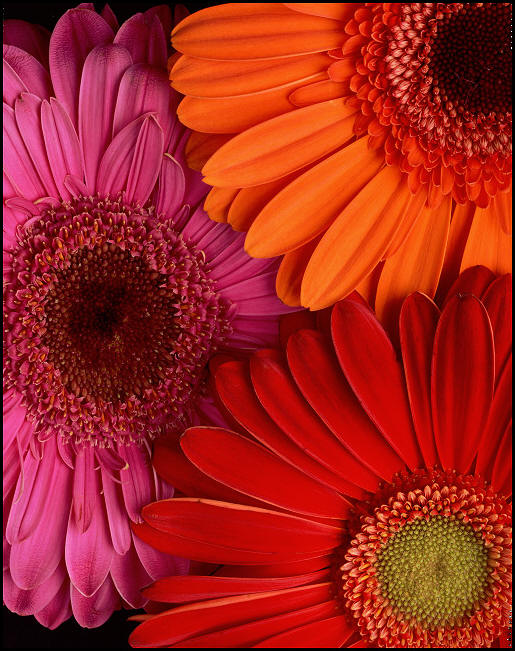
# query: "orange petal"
{"type": "Point", "coordinates": [319, 91]}
{"type": "Point", "coordinates": [310, 204]}
{"type": "Point", "coordinates": [334, 10]}
{"type": "Point", "coordinates": [356, 241]}
{"type": "Point", "coordinates": [281, 145]}
{"type": "Point", "coordinates": [207, 78]}
{"type": "Point", "coordinates": [227, 32]}
{"type": "Point", "coordinates": [234, 114]}
{"type": "Point", "coordinates": [502, 208]}
{"type": "Point", "coordinates": [218, 201]}
{"type": "Point", "coordinates": [461, 222]}
{"type": "Point", "coordinates": [408, 221]}
{"type": "Point", "coordinates": [250, 201]}
{"type": "Point", "coordinates": [368, 287]}
{"type": "Point", "coordinates": [291, 271]}
{"type": "Point", "coordinates": [416, 266]}
{"type": "Point", "coordinates": [487, 243]}
{"type": "Point", "coordinates": [201, 146]}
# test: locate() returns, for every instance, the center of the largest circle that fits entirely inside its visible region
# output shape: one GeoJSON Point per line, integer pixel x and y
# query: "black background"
{"type": "Point", "coordinates": [26, 632]}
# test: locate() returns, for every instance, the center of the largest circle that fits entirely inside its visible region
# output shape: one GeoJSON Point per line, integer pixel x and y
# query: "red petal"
{"type": "Point", "coordinates": [290, 323]}
{"type": "Point", "coordinates": [252, 469]}
{"type": "Point", "coordinates": [295, 417]}
{"type": "Point", "coordinates": [498, 420]}
{"type": "Point", "coordinates": [417, 325]}
{"type": "Point", "coordinates": [176, 589]}
{"type": "Point", "coordinates": [474, 280]}
{"type": "Point", "coordinates": [240, 528]}
{"type": "Point", "coordinates": [185, 621]}
{"type": "Point", "coordinates": [172, 465]}
{"type": "Point", "coordinates": [246, 635]}
{"type": "Point", "coordinates": [325, 634]}
{"type": "Point", "coordinates": [462, 380]}
{"type": "Point", "coordinates": [329, 394]}
{"type": "Point", "coordinates": [370, 364]}
{"type": "Point", "coordinates": [497, 300]}
{"type": "Point", "coordinates": [235, 390]}
{"type": "Point", "coordinates": [501, 476]}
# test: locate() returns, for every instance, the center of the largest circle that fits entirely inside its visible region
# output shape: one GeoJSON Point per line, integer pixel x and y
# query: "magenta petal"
{"type": "Point", "coordinates": [144, 89]}
{"type": "Point", "coordinates": [144, 37]}
{"type": "Point", "coordinates": [74, 36]}
{"type": "Point", "coordinates": [13, 85]}
{"type": "Point", "coordinates": [103, 70]}
{"type": "Point", "coordinates": [88, 555]}
{"type": "Point", "coordinates": [62, 144]}
{"type": "Point", "coordinates": [108, 15]}
{"type": "Point", "coordinates": [30, 71]}
{"type": "Point", "coordinates": [84, 487]}
{"type": "Point", "coordinates": [93, 611]}
{"type": "Point", "coordinates": [164, 14]}
{"type": "Point", "coordinates": [18, 165]}
{"type": "Point", "coordinates": [172, 185]}
{"type": "Point", "coordinates": [158, 564]}
{"type": "Point", "coordinates": [34, 39]}
{"type": "Point", "coordinates": [34, 559]}
{"type": "Point", "coordinates": [116, 162]}
{"type": "Point", "coordinates": [28, 602]}
{"type": "Point", "coordinates": [129, 576]}
{"type": "Point", "coordinates": [146, 163]}
{"type": "Point", "coordinates": [27, 111]}
{"type": "Point", "coordinates": [137, 481]}
{"type": "Point", "coordinates": [116, 514]}
{"type": "Point", "coordinates": [13, 416]}
{"type": "Point", "coordinates": [58, 609]}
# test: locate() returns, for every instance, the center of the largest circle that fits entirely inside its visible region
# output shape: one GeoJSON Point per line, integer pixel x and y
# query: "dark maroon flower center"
{"type": "Point", "coordinates": [471, 58]}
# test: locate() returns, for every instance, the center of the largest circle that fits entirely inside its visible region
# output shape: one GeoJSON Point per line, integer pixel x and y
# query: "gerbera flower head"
{"type": "Point", "coordinates": [364, 500]}
{"type": "Point", "coordinates": [370, 143]}
{"type": "Point", "coordinates": [117, 290]}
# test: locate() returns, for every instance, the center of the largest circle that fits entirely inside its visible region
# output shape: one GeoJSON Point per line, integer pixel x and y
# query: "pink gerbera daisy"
{"type": "Point", "coordinates": [117, 291]}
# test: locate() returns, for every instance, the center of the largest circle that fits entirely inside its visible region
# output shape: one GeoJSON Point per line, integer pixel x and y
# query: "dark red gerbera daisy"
{"type": "Point", "coordinates": [365, 499]}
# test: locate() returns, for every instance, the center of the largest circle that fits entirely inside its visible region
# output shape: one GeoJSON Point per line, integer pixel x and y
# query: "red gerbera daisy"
{"type": "Point", "coordinates": [373, 509]}
{"type": "Point", "coordinates": [351, 135]}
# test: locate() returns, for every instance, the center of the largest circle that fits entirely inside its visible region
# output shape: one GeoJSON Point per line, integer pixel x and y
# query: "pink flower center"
{"type": "Point", "coordinates": [111, 317]}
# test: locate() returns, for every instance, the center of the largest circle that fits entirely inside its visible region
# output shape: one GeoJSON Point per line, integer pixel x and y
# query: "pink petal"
{"type": "Point", "coordinates": [13, 416]}
{"type": "Point", "coordinates": [101, 75]}
{"type": "Point", "coordinates": [34, 559]}
{"type": "Point", "coordinates": [13, 85]}
{"type": "Point", "coordinates": [84, 488]}
{"type": "Point", "coordinates": [144, 89]}
{"type": "Point", "coordinates": [171, 187]}
{"type": "Point", "coordinates": [30, 71]}
{"type": "Point", "coordinates": [29, 602]}
{"type": "Point", "coordinates": [18, 165]}
{"type": "Point", "coordinates": [91, 612]}
{"type": "Point", "coordinates": [116, 162]}
{"type": "Point", "coordinates": [89, 554]}
{"type": "Point", "coordinates": [34, 39]}
{"type": "Point", "coordinates": [74, 36]}
{"type": "Point", "coordinates": [129, 576]}
{"type": "Point", "coordinates": [27, 111]}
{"type": "Point", "coordinates": [144, 37]}
{"type": "Point", "coordinates": [58, 609]}
{"type": "Point", "coordinates": [146, 162]}
{"type": "Point", "coordinates": [158, 564]}
{"type": "Point", "coordinates": [165, 15]}
{"type": "Point", "coordinates": [137, 481]}
{"type": "Point", "coordinates": [116, 514]}
{"type": "Point", "coordinates": [62, 144]}
{"type": "Point", "coordinates": [108, 15]}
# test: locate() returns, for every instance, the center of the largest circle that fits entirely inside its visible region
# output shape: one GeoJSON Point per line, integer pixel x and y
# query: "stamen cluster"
{"type": "Point", "coordinates": [110, 318]}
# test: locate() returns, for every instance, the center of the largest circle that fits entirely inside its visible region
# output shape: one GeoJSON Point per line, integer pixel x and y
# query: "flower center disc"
{"type": "Point", "coordinates": [434, 570]}
{"type": "Point", "coordinates": [471, 58]}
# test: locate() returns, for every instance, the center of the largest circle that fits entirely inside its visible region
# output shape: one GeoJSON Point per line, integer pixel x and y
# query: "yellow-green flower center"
{"type": "Point", "coordinates": [434, 570]}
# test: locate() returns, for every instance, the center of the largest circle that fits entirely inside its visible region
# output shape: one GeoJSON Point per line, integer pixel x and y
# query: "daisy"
{"type": "Point", "coordinates": [117, 290]}
{"type": "Point", "coordinates": [366, 496]}
{"type": "Point", "coordinates": [370, 143]}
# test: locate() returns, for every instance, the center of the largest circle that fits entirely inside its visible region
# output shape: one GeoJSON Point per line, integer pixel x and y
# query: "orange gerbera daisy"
{"type": "Point", "coordinates": [368, 142]}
